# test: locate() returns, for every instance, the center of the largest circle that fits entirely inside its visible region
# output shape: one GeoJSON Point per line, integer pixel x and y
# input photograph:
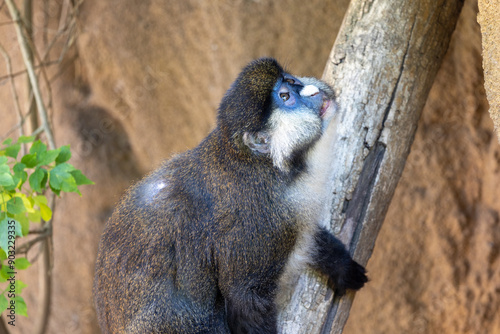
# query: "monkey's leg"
{"type": "Point", "coordinates": [250, 313]}
{"type": "Point", "coordinates": [332, 258]}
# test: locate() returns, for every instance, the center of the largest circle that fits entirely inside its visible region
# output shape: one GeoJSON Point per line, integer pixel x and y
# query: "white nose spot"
{"type": "Point", "coordinates": [309, 90]}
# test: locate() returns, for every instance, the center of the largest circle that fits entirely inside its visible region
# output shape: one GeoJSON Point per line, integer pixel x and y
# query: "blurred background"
{"type": "Point", "coordinates": [134, 82]}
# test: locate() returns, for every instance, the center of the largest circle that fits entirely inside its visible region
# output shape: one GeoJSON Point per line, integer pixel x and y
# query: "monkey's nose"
{"type": "Point", "coordinates": [309, 90]}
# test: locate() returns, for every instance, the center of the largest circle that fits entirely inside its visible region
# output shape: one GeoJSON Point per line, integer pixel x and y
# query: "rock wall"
{"type": "Point", "coordinates": [144, 82]}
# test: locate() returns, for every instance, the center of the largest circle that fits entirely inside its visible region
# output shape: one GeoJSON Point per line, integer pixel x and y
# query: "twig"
{"type": "Point", "coordinates": [66, 26]}
{"type": "Point", "coordinates": [17, 106]}
{"type": "Point", "coordinates": [45, 273]}
{"type": "Point", "coordinates": [37, 131]}
{"type": "Point", "coordinates": [37, 67]}
{"type": "Point", "coordinates": [15, 127]}
{"type": "Point", "coordinates": [37, 231]}
{"type": "Point", "coordinates": [24, 248]}
{"type": "Point", "coordinates": [28, 24]}
{"type": "Point", "coordinates": [14, 12]}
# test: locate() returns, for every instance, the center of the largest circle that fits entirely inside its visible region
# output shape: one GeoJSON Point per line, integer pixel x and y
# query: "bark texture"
{"type": "Point", "coordinates": [489, 19]}
{"type": "Point", "coordinates": [436, 263]}
{"type": "Point", "coordinates": [383, 64]}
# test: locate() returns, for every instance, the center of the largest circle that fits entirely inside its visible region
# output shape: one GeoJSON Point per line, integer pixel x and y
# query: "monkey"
{"type": "Point", "coordinates": [206, 243]}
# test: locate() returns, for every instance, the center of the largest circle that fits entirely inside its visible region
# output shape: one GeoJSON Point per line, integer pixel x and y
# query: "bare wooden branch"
{"type": "Point", "coordinates": [24, 44]}
{"type": "Point", "coordinates": [38, 66]}
{"type": "Point", "coordinates": [28, 18]}
{"type": "Point", "coordinates": [15, 96]}
{"type": "Point", "coordinates": [25, 248]}
{"type": "Point", "coordinates": [382, 66]}
{"type": "Point", "coordinates": [6, 23]}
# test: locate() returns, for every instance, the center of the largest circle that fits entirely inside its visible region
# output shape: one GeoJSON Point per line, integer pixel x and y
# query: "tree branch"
{"type": "Point", "coordinates": [382, 66]}
{"type": "Point", "coordinates": [25, 248]}
{"type": "Point", "coordinates": [25, 51]}
{"type": "Point", "coordinates": [15, 96]}
{"type": "Point", "coordinates": [28, 18]}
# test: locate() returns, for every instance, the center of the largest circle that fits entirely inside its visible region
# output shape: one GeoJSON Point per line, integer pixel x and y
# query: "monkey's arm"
{"type": "Point", "coordinates": [332, 258]}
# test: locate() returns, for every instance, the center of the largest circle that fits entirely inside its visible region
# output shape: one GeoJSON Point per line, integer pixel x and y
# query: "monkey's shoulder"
{"type": "Point", "coordinates": [203, 184]}
{"type": "Point", "coordinates": [175, 181]}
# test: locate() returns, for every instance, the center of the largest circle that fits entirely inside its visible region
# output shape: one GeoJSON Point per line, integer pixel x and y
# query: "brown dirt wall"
{"type": "Point", "coordinates": [144, 81]}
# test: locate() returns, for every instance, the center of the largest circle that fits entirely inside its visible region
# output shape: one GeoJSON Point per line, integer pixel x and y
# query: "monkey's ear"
{"type": "Point", "coordinates": [257, 142]}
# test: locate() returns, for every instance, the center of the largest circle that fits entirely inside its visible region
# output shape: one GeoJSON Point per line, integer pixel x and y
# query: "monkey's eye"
{"type": "Point", "coordinates": [290, 81]}
{"type": "Point", "coordinates": [285, 96]}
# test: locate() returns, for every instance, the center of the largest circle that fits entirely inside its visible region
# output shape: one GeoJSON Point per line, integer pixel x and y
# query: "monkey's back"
{"type": "Point", "coordinates": [185, 235]}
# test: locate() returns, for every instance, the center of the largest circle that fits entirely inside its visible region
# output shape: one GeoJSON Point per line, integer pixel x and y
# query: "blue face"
{"type": "Point", "coordinates": [287, 95]}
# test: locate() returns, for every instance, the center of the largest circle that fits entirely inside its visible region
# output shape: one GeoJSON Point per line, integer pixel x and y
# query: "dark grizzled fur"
{"type": "Point", "coordinates": [332, 259]}
{"type": "Point", "coordinates": [204, 253]}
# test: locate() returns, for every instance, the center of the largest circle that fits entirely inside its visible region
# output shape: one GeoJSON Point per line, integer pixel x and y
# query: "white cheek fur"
{"type": "Point", "coordinates": [289, 131]}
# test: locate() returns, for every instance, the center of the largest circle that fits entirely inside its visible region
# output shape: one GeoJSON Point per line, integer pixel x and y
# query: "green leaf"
{"type": "Point", "coordinates": [80, 178]}
{"type": "Point", "coordinates": [38, 179]}
{"type": "Point", "coordinates": [35, 217]}
{"type": "Point", "coordinates": [45, 158]}
{"type": "Point", "coordinates": [45, 212]}
{"type": "Point", "coordinates": [21, 308]}
{"type": "Point", "coordinates": [29, 160]}
{"type": "Point", "coordinates": [4, 273]}
{"type": "Point", "coordinates": [19, 286]}
{"type": "Point", "coordinates": [40, 199]}
{"type": "Point", "coordinates": [27, 201]}
{"type": "Point", "coordinates": [23, 222]}
{"type": "Point", "coordinates": [38, 147]}
{"type": "Point", "coordinates": [6, 180]}
{"type": "Point", "coordinates": [13, 150]}
{"type": "Point", "coordinates": [3, 160]}
{"type": "Point", "coordinates": [20, 176]}
{"type": "Point", "coordinates": [4, 169]}
{"type": "Point", "coordinates": [4, 198]}
{"type": "Point", "coordinates": [7, 141]}
{"type": "Point", "coordinates": [15, 205]}
{"type": "Point", "coordinates": [64, 154]}
{"type": "Point", "coordinates": [22, 263]}
{"type": "Point", "coordinates": [69, 185]}
{"type": "Point", "coordinates": [25, 139]}
{"type": "Point", "coordinates": [55, 191]}
{"type": "Point", "coordinates": [65, 167]}
{"type": "Point", "coordinates": [17, 184]}
{"type": "Point", "coordinates": [61, 179]}
{"type": "Point", "coordinates": [4, 303]}
{"type": "Point", "coordinates": [8, 225]}
{"type": "Point", "coordinates": [19, 167]}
